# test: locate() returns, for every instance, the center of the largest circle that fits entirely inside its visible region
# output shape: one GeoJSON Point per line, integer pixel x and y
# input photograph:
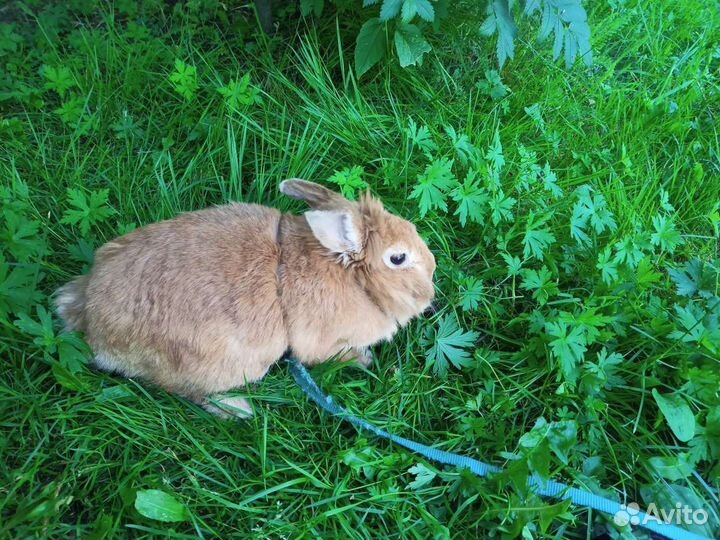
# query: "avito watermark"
{"type": "Point", "coordinates": [681, 514]}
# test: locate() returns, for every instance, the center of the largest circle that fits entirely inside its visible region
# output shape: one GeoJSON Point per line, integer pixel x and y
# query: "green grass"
{"type": "Point", "coordinates": [78, 445]}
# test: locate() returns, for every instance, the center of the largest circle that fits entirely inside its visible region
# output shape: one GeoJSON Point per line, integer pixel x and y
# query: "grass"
{"type": "Point", "coordinates": [78, 445]}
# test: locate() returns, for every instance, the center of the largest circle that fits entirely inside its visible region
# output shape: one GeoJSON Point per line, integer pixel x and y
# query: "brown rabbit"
{"type": "Point", "coordinates": [210, 300]}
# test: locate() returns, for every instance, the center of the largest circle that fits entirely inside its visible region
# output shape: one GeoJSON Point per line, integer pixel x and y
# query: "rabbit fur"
{"type": "Point", "coordinates": [210, 300]}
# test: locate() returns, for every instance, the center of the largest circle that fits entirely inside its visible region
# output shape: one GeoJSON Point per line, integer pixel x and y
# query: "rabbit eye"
{"type": "Point", "coordinates": [398, 259]}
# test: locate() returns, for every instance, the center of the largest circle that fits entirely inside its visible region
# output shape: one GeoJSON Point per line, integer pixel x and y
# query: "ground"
{"type": "Point", "coordinates": [573, 212]}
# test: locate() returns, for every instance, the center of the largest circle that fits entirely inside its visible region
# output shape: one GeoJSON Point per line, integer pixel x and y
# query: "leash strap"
{"type": "Point", "coordinates": [548, 488]}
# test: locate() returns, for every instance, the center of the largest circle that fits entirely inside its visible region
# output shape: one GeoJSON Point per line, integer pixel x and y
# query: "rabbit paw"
{"type": "Point", "coordinates": [363, 356]}
{"type": "Point", "coordinates": [229, 407]}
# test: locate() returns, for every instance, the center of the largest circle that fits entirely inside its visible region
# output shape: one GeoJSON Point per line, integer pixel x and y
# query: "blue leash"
{"type": "Point", "coordinates": [548, 488]}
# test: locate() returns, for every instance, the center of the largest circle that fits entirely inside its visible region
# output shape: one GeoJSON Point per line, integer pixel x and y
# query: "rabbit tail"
{"type": "Point", "coordinates": [70, 301]}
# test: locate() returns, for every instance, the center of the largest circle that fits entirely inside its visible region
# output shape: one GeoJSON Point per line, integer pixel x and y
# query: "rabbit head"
{"type": "Point", "coordinates": [383, 251]}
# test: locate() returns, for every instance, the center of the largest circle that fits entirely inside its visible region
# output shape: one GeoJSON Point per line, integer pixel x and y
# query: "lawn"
{"type": "Point", "coordinates": [574, 212]}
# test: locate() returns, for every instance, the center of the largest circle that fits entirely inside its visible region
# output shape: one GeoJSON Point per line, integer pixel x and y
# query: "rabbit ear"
{"type": "Point", "coordinates": [314, 194]}
{"type": "Point", "coordinates": [336, 230]}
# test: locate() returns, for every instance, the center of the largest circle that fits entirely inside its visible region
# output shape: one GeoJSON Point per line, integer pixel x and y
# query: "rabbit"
{"type": "Point", "coordinates": [210, 300]}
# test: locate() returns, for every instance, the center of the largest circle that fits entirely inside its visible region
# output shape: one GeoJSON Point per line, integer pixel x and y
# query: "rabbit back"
{"type": "Point", "coordinates": [191, 303]}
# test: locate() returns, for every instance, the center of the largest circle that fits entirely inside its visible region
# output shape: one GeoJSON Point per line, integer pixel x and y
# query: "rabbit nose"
{"type": "Point", "coordinates": [431, 310]}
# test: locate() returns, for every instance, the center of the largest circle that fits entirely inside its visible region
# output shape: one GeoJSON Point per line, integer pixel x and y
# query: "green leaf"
{"type": "Point", "coordinates": [184, 79]}
{"type": "Point", "coordinates": [409, 10]}
{"type": "Point", "coordinates": [87, 213]}
{"type": "Point", "coordinates": [448, 344]}
{"type": "Point", "coordinates": [420, 137]}
{"type": "Point", "coordinates": [536, 240]}
{"type": "Point", "coordinates": [364, 460]}
{"type": "Point", "coordinates": [471, 199]}
{"type": "Point", "coordinates": [18, 288]}
{"type": "Point", "coordinates": [45, 328]}
{"type": "Point", "coordinates": [535, 112]}
{"type": "Point", "coordinates": [434, 185]}
{"type": "Point", "coordinates": [554, 513]}
{"type": "Point", "coordinates": [665, 201]}
{"type": "Point", "coordinates": [695, 277]}
{"type": "Point", "coordinates": [666, 235]}
{"type": "Point", "coordinates": [410, 44]}
{"type": "Point", "coordinates": [118, 392]}
{"type": "Point", "coordinates": [567, 19]}
{"type": "Point", "coordinates": [559, 41]}
{"type": "Point", "coordinates": [126, 127]}
{"type": "Point", "coordinates": [589, 321]}
{"type": "Point", "coordinates": [471, 292]}
{"type": "Point", "coordinates": [390, 9]}
{"type": "Point", "coordinates": [160, 506]}
{"type": "Point", "coordinates": [541, 283]}
{"type": "Point", "coordinates": [495, 153]}
{"type": "Point", "coordinates": [73, 352]}
{"type": "Point", "coordinates": [15, 197]}
{"type": "Point", "coordinates": [21, 237]}
{"type": "Point", "coordinates": [550, 182]}
{"type": "Point", "coordinates": [501, 208]}
{"type": "Point", "coordinates": [71, 110]}
{"type": "Point", "coordinates": [500, 20]}
{"type": "Point", "coordinates": [568, 348]}
{"type": "Point", "coordinates": [590, 211]}
{"type": "Point", "coordinates": [462, 145]}
{"type": "Point", "coordinates": [489, 25]}
{"type": "Point", "coordinates": [493, 86]}
{"type": "Point", "coordinates": [607, 267]}
{"type": "Point", "coordinates": [603, 374]}
{"type": "Point", "coordinates": [423, 476]}
{"type": "Point", "coordinates": [423, 8]}
{"type": "Point", "coordinates": [672, 467]}
{"type": "Point", "coordinates": [350, 181]}
{"type": "Point", "coordinates": [66, 378]}
{"type": "Point", "coordinates": [83, 251]}
{"type": "Point", "coordinates": [240, 93]}
{"type": "Point", "coordinates": [646, 274]}
{"type": "Point", "coordinates": [631, 249]}
{"type": "Point", "coordinates": [9, 39]}
{"type": "Point", "coordinates": [29, 326]}
{"type": "Point", "coordinates": [560, 437]}
{"type": "Point", "coordinates": [531, 6]}
{"type": "Point", "coordinates": [539, 460]}
{"type": "Point", "coordinates": [691, 324]}
{"type": "Point", "coordinates": [514, 264]}
{"type": "Point", "coordinates": [42, 331]}
{"type": "Point", "coordinates": [371, 45]}
{"type": "Point", "coordinates": [580, 31]}
{"type": "Point", "coordinates": [59, 79]}
{"type": "Point", "coordinates": [677, 413]}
